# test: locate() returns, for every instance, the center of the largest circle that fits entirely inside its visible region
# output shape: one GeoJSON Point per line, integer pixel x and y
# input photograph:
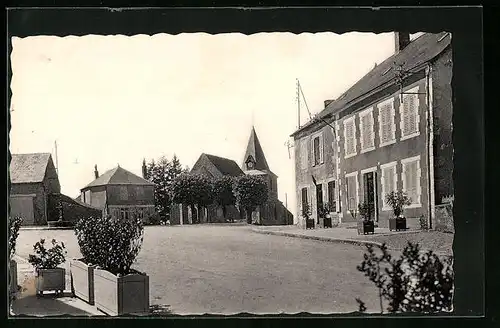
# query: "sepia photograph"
{"type": "Point", "coordinates": [193, 173]}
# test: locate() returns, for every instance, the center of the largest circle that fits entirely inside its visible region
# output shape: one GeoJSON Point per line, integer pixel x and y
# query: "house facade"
{"type": "Point", "coordinates": [390, 131]}
{"type": "Point", "coordinates": [120, 193]}
{"type": "Point", "coordinates": [34, 185]}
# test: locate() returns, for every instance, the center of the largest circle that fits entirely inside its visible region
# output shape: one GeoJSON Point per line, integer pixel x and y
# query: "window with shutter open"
{"type": "Point", "coordinates": [388, 181]}
{"type": "Point", "coordinates": [411, 179]}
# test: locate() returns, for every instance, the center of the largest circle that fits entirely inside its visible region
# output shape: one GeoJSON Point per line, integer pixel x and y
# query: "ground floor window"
{"type": "Point", "coordinates": [411, 179]}
{"type": "Point", "coordinates": [352, 191]}
{"type": "Point", "coordinates": [388, 181]}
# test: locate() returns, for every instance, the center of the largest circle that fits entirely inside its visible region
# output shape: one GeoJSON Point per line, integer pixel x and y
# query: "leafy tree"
{"type": "Point", "coordinates": [416, 282]}
{"type": "Point", "coordinates": [250, 192]}
{"type": "Point", "coordinates": [192, 189]}
{"type": "Point", "coordinates": [223, 193]}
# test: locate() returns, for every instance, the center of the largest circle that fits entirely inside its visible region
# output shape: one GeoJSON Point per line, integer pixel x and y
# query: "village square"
{"type": "Point", "coordinates": [371, 167]}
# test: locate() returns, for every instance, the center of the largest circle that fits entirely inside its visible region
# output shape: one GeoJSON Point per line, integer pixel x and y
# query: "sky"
{"type": "Point", "coordinates": [110, 100]}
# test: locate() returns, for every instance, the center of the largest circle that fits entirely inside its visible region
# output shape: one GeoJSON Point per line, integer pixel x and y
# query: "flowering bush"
{"type": "Point", "coordinates": [110, 243]}
{"type": "Point", "coordinates": [416, 282]}
{"type": "Point", "coordinates": [14, 225]}
{"type": "Point", "coordinates": [47, 258]}
{"type": "Point", "coordinates": [397, 200]}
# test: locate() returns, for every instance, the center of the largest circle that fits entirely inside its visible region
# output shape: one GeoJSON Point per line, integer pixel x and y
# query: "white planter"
{"type": "Point", "coordinates": [13, 276]}
{"type": "Point", "coordinates": [121, 295]}
{"type": "Point", "coordinates": [50, 280]}
{"type": "Point", "coordinates": [82, 280]}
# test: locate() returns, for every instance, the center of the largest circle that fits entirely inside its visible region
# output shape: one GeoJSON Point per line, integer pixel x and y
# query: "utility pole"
{"type": "Point", "coordinates": [57, 161]}
{"type": "Point", "coordinates": [298, 103]}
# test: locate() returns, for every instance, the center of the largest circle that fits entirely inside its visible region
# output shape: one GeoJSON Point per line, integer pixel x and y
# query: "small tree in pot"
{"type": "Point", "coordinates": [327, 217]}
{"type": "Point", "coordinates": [118, 289]}
{"type": "Point", "coordinates": [46, 261]}
{"type": "Point", "coordinates": [306, 214]}
{"type": "Point", "coordinates": [14, 226]}
{"type": "Point", "coordinates": [397, 200]}
{"type": "Point", "coordinates": [366, 225]}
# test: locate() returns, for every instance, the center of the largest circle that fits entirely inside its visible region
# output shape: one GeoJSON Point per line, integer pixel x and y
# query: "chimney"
{"type": "Point", "coordinates": [328, 102]}
{"type": "Point", "coordinates": [401, 40]}
{"type": "Point", "coordinates": [96, 173]}
{"type": "Point", "coordinates": [144, 169]}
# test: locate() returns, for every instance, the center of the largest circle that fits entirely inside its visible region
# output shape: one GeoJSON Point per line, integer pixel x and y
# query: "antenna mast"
{"type": "Point", "coordinates": [298, 103]}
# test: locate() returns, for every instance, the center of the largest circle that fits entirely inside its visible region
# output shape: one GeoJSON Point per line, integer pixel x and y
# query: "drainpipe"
{"type": "Point", "coordinates": [430, 145]}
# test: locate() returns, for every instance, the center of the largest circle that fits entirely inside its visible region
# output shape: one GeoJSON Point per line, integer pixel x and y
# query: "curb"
{"type": "Point", "coordinates": [326, 239]}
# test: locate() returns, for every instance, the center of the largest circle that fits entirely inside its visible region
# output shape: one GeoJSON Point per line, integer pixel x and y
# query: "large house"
{"type": "Point", "coordinates": [34, 185]}
{"type": "Point", "coordinates": [120, 193]}
{"type": "Point", "coordinates": [390, 131]}
{"type": "Point", "coordinates": [254, 163]}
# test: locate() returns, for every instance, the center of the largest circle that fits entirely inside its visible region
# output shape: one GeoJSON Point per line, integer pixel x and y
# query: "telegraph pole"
{"type": "Point", "coordinates": [57, 161]}
{"type": "Point", "coordinates": [298, 103]}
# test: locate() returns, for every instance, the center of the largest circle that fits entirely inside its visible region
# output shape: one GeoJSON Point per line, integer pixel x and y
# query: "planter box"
{"type": "Point", "coordinates": [397, 224]}
{"type": "Point", "coordinates": [50, 280]}
{"type": "Point", "coordinates": [366, 227]}
{"type": "Point", "coordinates": [13, 276]}
{"type": "Point", "coordinates": [82, 280]}
{"type": "Point", "coordinates": [121, 295]}
{"type": "Point", "coordinates": [310, 224]}
{"type": "Point", "coordinates": [327, 222]}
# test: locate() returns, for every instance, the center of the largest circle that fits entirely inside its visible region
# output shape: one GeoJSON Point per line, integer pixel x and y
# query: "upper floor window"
{"type": "Point", "coordinates": [367, 137]}
{"type": "Point", "coordinates": [409, 114]}
{"type": "Point", "coordinates": [411, 179]}
{"type": "Point", "coordinates": [303, 154]}
{"type": "Point", "coordinates": [387, 128]}
{"type": "Point", "coordinates": [317, 149]}
{"type": "Point", "coordinates": [123, 192]}
{"type": "Point", "coordinates": [349, 137]}
{"type": "Point", "coordinates": [139, 191]}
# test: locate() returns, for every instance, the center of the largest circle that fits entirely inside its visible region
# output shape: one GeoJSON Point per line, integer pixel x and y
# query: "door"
{"type": "Point", "coordinates": [370, 193]}
{"type": "Point", "coordinates": [22, 205]}
{"type": "Point", "coordinates": [319, 200]}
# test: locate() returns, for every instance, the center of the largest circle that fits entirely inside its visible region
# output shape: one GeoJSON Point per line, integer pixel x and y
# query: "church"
{"type": "Point", "coordinates": [254, 163]}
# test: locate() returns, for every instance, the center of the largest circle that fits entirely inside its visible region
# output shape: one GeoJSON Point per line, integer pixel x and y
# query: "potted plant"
{"type": "Point", "coordinates": [327, 217]}
{"type": "Point", "coordinates": [366, 225]}
{"type": "Point", "coordinates": [306, 214]}
{"type": "Point", "coordinates": [82, 269]}
{"type": "Point", "coordinates": [49, 276]}
{"type": "Point", "coordinates": [397, 200]}
{"type": "Point", "coordinates": [119, 289]}
{"type": "Point", "coordinates": [14, 225]}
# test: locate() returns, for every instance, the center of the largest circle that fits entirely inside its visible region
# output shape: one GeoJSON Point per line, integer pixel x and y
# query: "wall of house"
{"type": "Point", "coordinates": [51, 181]}
{"type": "Point", "coordinates": [39, 202]}
{"type": "Point", "coordinates": [397, 151]}
{"type": "Point", "coordinates": [95, 196]}
{"type": "Point", "coordinates": [443, 126]}
{"type": "Point", "coordinates": [305, 170]}
{"type": "Point", "coordinates": [136, 195]}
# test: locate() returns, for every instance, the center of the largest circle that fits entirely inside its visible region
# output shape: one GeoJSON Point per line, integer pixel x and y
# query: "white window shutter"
{"type": "Point", "coordinates": [412, 121]}
{"type": "Point", "coordinates": [406, 115]}
{"type": "Point", "coordinates": [321, 149]}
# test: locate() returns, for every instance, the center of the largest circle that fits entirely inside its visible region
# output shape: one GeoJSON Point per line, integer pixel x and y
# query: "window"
{"type": "Point", "coordinates": [303, 154]}
{"type": "Point", "coordinates": [352, 191]}
{"type": "Point", "coordinates": [349, 137]}
{"type": "Point", "coordinates": [387, 128]}
{"type": "Point", "coordinates": [139, 191]}
{"type": "Point", "coordinates": [123, 192]}
{"type": "Point", "coordinates": [317, 149]}
{"type": "Point", "coordinates": [332, 196]}
{"type": "Point", "coordinates": [304, 198]}
{"type": "Point", "coordinates": [388, 181]}
{"type": "Point", "coordinates": [409, 115]}
{"type": "Point", "coordinates": [366, 127]}
{"type": "Point", "coordinates": [411, 179]}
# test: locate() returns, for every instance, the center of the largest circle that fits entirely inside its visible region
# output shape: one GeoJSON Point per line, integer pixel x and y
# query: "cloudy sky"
{"type": "Point", "coordinates": [117, 99]}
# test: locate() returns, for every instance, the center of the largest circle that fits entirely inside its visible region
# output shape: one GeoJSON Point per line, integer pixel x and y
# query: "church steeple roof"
{"type": "Point", "coordinates": [255, 154]}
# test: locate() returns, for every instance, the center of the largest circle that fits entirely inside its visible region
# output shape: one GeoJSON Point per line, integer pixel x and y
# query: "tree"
{"type": "Point", "coordinates": [223, 193]}
{"type": "Point", "coordinates": [192, 189]}
{"type": "Point", "coordinates": [162, 173]}
{"type": "Point", "coordinates": [250, 192]}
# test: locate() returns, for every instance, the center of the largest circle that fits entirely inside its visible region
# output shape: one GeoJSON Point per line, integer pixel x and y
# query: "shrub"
{"type": "Point", "coordinates": [416, 282]}
{"type": "Point", "coordinates": [424, 225]}
{"type": "Point", "coordinates": [397, 200]}
{"type": "Point", "coordinates": [364, 211]}
{"type": "Point", "coordinates": [110, 243]}
{"type": "Point", "coordinates": [47, 258]}
{"type": "Point", "coordinates": [14, 226]}
{"type": "Point", "coordinates": [250, 192]}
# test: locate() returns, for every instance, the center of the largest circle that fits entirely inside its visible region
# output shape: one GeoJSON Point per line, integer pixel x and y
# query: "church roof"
{"type": "Point", "coordinates": [224, 165]}
{"type": "Point", "coordinates": [254, 149]}
{"type": "Point", "coordinates": [118, 176]}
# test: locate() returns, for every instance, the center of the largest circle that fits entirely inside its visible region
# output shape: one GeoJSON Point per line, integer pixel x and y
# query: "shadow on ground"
{"type": "Point", "coordinates": [46, 306]}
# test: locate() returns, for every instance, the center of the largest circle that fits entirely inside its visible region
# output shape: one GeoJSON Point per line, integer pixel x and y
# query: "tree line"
{"type": "Point", "coordinates": [175, 185]}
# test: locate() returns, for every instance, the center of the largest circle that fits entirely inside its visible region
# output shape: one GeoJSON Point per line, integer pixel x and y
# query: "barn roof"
{"type": "Point", "coordinates": [224, 165]}
{"type": "Point", "coordinates": [118, 176]}
{"type": "Point", "coordinates": [420, 51]}
{"type": "Point", "coordinates": [29, 168]}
